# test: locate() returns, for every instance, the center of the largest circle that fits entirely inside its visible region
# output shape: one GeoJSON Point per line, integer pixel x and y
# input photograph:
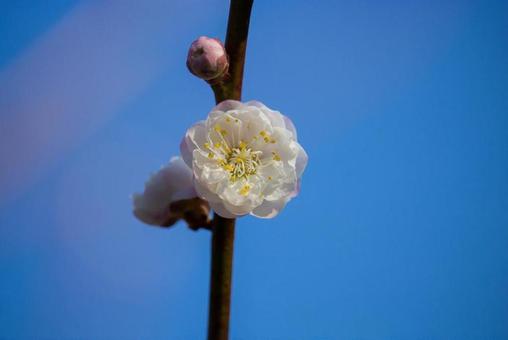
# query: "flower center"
{"type": "Point", "coordinates": [241, 162]}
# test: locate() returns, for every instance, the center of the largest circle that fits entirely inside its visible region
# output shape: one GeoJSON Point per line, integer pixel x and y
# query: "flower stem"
{"type": "Point", "coordinates": [223, 229]}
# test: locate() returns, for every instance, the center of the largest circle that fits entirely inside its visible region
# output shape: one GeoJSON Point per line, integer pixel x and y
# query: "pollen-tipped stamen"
{"type": "Point", "coordinates": [241, 162]}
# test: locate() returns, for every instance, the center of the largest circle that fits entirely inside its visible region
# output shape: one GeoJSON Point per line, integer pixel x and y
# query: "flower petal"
{"type": "Point", "coordinates": [291, 127]}
{"type": "Point", "coordinates": [239, 210]}
{"type": "Point", "coordinates": [172, 182]}
{"type": "Point", "coordinates": [220, 209]}
{"type": "Point", "coordinates": [228, 105]}
{"type": "Point", "coordinates": [269, 209]}
{"type": "Point", "coordinates": [301, 161]}
{"type": "Point", "coordinates": [206, 193]}
{"type": "Point", "coordinates": [164, 219]}
{"type": "Point", "coordinates": [186, 152]}
{"type": "Point", "coordinates": [277, 118]}
{"type": "Point", "coordinates": [195, 137]}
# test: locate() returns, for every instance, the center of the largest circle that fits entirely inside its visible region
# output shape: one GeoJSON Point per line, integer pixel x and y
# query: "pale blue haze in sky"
{"type": "Point", "coordinates": [401, 227]}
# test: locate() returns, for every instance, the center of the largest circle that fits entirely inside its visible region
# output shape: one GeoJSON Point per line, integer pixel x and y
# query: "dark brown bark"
{"type": "Point", "coordinates": [223, 235]}
{"type": "Point", "coordinates": [230, 87]}
{"type": "Point", "coordinates": [223, 229]}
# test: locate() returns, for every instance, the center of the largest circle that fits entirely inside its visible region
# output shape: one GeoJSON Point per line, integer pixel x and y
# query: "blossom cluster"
{"type": "Point", "coordinates": [243, 159]}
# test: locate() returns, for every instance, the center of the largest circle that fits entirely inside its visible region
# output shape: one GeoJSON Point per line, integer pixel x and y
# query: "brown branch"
{"type": "Point", "coordinates": [230, 86]}
{"type": "Point", "coordinates": [223, 229]}
{"type": "Point", "coordinates": [223, 236]}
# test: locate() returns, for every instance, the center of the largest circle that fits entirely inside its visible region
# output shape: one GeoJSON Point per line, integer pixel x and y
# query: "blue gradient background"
{"type": "Point", "coordinates": [401, 228]}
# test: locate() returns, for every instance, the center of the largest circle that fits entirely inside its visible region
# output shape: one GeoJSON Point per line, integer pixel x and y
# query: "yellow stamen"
{"type": "Point", "coordinates": [244, 191]}
{"type": "Point", "coordinates": [241, 162]}
{"type": "Point", "coordinates": [228, 167]}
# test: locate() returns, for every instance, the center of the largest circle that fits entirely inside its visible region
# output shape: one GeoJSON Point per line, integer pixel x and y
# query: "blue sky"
{"type": "Point", "coordinates": [401, 227]}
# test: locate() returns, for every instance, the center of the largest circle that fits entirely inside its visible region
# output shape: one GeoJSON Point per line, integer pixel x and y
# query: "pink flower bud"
{"type": "Point", "coordinates": [207, 58]}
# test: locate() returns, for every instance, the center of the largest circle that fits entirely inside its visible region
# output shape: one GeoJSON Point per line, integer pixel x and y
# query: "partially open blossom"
{"type": "Point", "coordinates": [207, 58]}
{"type": "Point", "coordinates": [245, 159]}
{"type": "Point", "coordinates": [169, 195]}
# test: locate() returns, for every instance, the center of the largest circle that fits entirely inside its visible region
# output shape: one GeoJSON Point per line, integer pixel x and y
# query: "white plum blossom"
{"type": "Point", "coordinates": [245, 159]}
{"type": "Point", "coordinates": [170, 195]}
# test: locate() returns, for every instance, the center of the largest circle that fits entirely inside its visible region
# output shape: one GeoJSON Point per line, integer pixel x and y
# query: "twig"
{"type": "Point", "coordinates": [223, 229]}
{"type": "Point", "coordinates": [230, 87]}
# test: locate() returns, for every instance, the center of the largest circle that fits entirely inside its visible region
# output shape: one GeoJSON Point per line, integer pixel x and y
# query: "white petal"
{"type": "Point", "coordinates": [256, 104]}
{"type": "Point", "coordinates": [228, 105]}
{"type": "Point", "coordinates": [206, 193]}
{"type": "Point", "coordinates": [252, 122]}
{"type": "Point", "coordinates": [277, 118]}
{"type": "Point", "coordinates": [297, 189]}
{"type": "Point", "coordinates": [272, 176]}
{"type": "Point", "coordinates": [284, 189]}
{"type": "Point", "coordinates": [301, 161]}
{"type": "Point", "coordinates": [207, 170]}
{"type": "Point", "coordinates": [195, 138]}
{"type": "Point", "coordinates": [238, 210]}
{"type": "Point", "coordinates": [172, 182]}
{"type": "Point", "coordinates": [269, 209]}
{"type": "Point", "coordinates": [230, 193]}
{"type": "Point", "coordinates": [220, 209]}
{"type": "Point", "coordinates": [284, 146]}
{"type": "Point", "coordinates": [163, 217]}
{"type": "Point", "coordinates": [290, 126]}
{"type": "Point", "coordinates": [186, 152]}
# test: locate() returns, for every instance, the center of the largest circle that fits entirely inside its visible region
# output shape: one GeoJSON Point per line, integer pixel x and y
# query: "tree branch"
{"type": "Point", "coordinates": [223, 236]}
{"type": "Point", "coordinates": [223, 229]}
{"type": "Point", "coordinates": [230, 86]}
